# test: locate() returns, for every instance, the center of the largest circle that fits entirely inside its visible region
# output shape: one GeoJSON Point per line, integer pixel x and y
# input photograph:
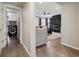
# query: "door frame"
{"type": "Point", "coordinates": [5, 19]}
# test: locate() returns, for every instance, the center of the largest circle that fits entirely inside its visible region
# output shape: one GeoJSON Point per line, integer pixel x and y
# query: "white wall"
{"type": "Point", "coordinates": [70, 25]}
{"type": "Point", "coordinates": [28, 30]}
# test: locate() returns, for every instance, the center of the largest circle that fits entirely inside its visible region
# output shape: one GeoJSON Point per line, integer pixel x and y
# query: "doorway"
{"type": "Point", "coordinates": [48, 28]}
{"type": "Point", "coordinates": [54, 30]}
{"type": "Point", "coordinates": [12, 23]}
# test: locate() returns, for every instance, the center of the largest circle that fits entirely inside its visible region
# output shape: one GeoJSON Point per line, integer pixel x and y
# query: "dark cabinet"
{"type": "Point", "coordinates": [55, 23]}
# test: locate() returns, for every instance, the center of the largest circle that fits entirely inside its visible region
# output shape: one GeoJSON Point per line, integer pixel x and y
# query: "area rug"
{"type": "Point", "coordinates": [54, 36]}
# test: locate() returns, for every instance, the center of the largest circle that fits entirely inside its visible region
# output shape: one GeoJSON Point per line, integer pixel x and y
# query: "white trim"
{"type": "Point", "coordinates": [21, 25]}
{"type": "Point", "coordinates": [70, 46]}
{"type": "Point", "coordinates": [20, 20]}
{"type": "Point", "coordinates": [26, 48]}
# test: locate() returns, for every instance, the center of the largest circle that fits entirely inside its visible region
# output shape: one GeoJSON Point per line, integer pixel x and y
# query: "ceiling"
{"type": "Point", "coordinates": [68, 3]}
{"type": "Point", "coordinates": [47, 7]}
{"type": "Point", "coordinates": [19, 4]}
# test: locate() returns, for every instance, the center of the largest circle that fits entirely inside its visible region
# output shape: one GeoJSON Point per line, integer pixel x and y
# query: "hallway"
{"type": "Point", "coordinates": [14, 49]}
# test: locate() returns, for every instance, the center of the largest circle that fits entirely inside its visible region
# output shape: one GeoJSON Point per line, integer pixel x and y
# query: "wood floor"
{"type": "Point", "coordinates": [14, 49]}
{"type": "Point", "coordinates": [54, 49]}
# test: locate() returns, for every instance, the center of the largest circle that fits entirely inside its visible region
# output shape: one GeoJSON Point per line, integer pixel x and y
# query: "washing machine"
{"type": "Point", "coordinates": [12, 30]}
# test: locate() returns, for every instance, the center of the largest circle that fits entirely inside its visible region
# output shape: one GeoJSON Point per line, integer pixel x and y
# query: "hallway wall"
{"type": "Point", "coordinates": [28, 30]}
{"type": "Point", "coordinates": [70, 25]}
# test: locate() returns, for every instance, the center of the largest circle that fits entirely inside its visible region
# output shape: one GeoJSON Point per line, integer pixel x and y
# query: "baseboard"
{"type": "Point", "coordinates": [26, 48]}
{"type": "Point", "coordinates": [76, 48]}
